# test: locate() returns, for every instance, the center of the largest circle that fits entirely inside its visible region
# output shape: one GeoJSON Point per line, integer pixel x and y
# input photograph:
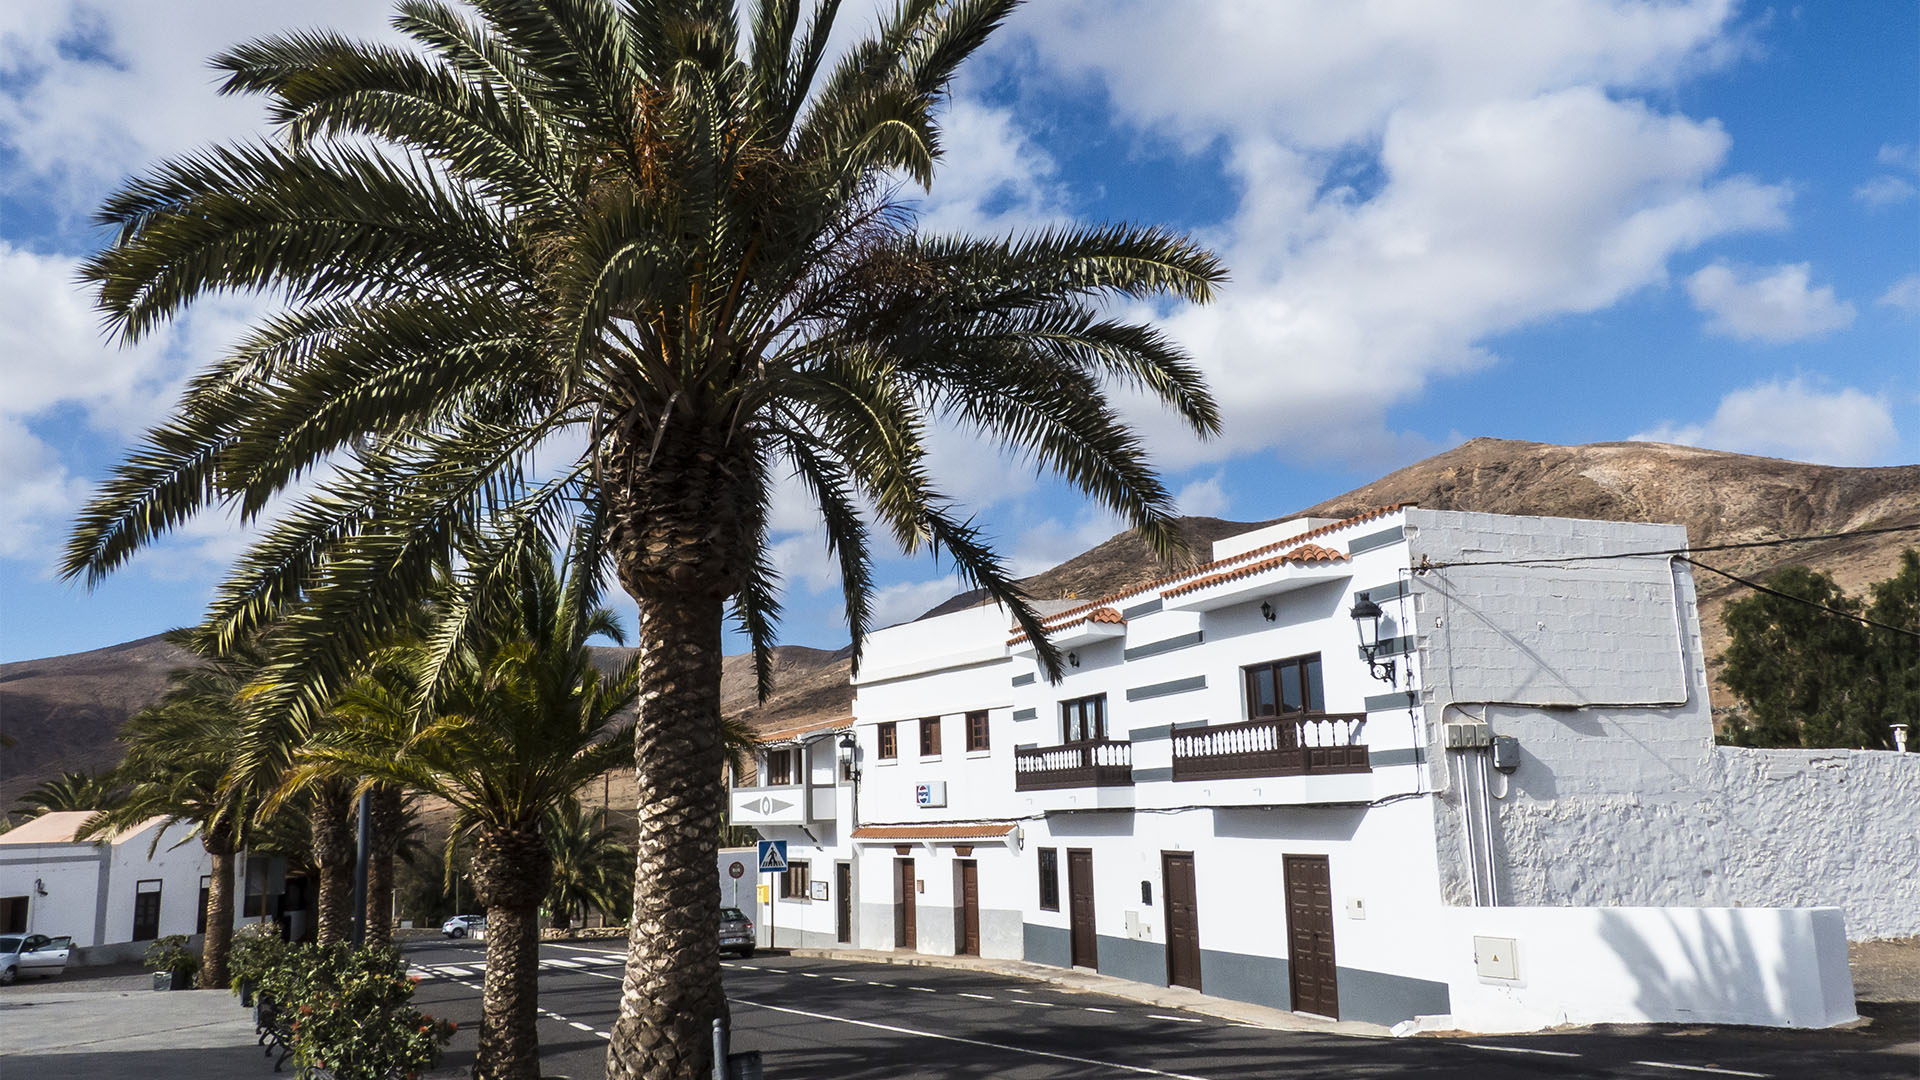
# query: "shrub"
{"type": "Point", "coordinates": [256, 949]}
{"type": "Point", "coordinates": [174, 953]}
{"type": "Point", "coordinates": [350, 1012]}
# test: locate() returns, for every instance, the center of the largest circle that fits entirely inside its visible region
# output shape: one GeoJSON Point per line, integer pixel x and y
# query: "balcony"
{"type": "Point", "coordinates": [1087, 763]}
{"type": "Point", "coordinates": [1272, 746]}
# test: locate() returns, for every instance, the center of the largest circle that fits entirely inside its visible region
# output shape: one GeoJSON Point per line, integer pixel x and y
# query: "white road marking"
{"type": "Point", "coordinates": [980, 997]}
{"type": "Point", "coordinates": [1700, 1068]}
{"type": "Point", "coordinates": [1175, 1019]}
{"type": "Point", "coordinates": [1035, 1004]}
{"type": "Point", "coordinates": [890, 986]}
{"type": "Point", "coordinates": [604, 1034]}
{"type": "Point", "coordinates": [1519, 1050]}
{"type": "Point", "coordinates": [1140, 1069]}
{"type": "Point", "coordinates": [560, 963]}
{"type": "Point", "coordinates": [1018, 990]}
{"type": "Point", "coordinates": [807, 974]}
{"type": "Point", "coordinates": [924, 989]}
{"type": "Point", "coordinates": [449, 969]}
{"type": "Point", "coordinates": [1091, 1008]}
{"type": "Point", "coordinates": [843, 978]}
{"type": "Point", "coordinates": [742, 967]}
{"type": "Point", "coordinates": [578, 1026]}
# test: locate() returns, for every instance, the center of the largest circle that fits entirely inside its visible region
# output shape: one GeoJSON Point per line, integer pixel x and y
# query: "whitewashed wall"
{"type": "Point", "coordinates": [1776, 967]}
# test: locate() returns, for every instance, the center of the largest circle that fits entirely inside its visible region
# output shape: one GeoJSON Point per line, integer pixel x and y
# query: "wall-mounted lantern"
{"type": "Point", "coordinates": [849, 763]}
{"type": "Point", "coordinates": [1073, 659]}
{"type": "Point", "coordinates": [1366, 620]}
{"type": "Point", "coordinates": [1266, 610]}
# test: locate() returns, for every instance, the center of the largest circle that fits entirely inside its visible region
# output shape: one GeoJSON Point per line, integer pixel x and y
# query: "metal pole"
{"type": "Point", "coordinates": [360, 870]}
{"type": "Point", "coordinates": [719, 1048]}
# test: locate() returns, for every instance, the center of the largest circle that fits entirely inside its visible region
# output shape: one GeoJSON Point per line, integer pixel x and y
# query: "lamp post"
{"type": "Point", "coordinates": [1366, 621]}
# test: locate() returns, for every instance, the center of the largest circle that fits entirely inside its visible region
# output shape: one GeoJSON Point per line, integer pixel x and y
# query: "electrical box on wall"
{"type": "Point", "coordinates": [1356, 907]}
{"type": "Point", "coordinates": [1496, 958]}
{"type": "Point", "coordinates": [1506, 753]}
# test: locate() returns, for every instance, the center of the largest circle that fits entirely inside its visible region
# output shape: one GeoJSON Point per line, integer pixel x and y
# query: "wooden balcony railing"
{"type": "Point", "coordinates": [1272, 746]}
{"type": "Point", "coordinates": [1087, 763]}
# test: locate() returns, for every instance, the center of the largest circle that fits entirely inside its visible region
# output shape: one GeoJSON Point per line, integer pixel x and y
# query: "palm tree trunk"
{"type": "Point", "coordinates": [387, 819]}
{"type": "Point", "coordinates": [333, 862]}
{"type": "Point", "coordinates": [671, 993]}
{"type": "Point", "coordinates": [511, 872]}
{"type": "Point", "coordinates": [219, 939]}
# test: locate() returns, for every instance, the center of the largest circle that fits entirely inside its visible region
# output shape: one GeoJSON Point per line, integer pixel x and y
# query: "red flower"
{"type": "Point", "coordinates": [451, 1026]}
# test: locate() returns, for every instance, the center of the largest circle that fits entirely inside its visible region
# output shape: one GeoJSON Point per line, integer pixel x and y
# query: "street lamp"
{"type": "Point", "coordinates": [849, 766]}
{"type": "Point", "coordinates": [1366, 621]}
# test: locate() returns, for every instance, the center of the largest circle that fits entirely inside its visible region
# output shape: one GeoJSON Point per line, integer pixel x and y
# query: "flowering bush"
{"type": "Point", "coordinates": [350, 1012]}
{"type": "Point", "coordinates": [256, 949]}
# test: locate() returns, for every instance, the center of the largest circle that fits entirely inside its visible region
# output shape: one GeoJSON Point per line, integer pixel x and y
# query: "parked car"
{"type": "Point", "coordinates": [22, 955]}
{"type": "Point", "coordinates": [736, 931]}
{"type": "Point", "coordinates": [461, 925]}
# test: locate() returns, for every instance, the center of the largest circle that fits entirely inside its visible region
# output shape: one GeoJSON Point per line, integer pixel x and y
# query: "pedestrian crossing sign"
{"type": "Point", "coordinates": [773, 856]}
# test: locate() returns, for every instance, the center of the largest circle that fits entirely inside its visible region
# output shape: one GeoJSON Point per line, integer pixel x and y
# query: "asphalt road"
{"type": "Point", "coordinates": [818, 1019]}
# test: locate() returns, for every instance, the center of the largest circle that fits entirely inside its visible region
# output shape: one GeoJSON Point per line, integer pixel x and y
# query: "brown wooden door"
{"type": "Point", "coordinates": [1084, 947]}
{"type": "Point", "coordinates": [905, 932]}
{"type": "Point", "coordinates": [146, 912]}
{"type": "Point", "coordinates": [967, 917]}
{"type": "Point", "coordinates": [1183, 918]}
{"type": "Point", "coordinates": [1310, 963]}
{"type": "Point", "coordinates": [843, 903]}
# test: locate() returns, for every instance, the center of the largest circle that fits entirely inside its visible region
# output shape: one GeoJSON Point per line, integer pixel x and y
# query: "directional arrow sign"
{"type": "Point", "coordinates": [773, 856]}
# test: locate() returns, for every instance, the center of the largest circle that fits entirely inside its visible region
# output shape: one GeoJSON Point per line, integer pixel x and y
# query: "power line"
{"type": "Point", "coordinates": [1684, 551]}
{"type": "Point", "coordinates": [1756, 586]}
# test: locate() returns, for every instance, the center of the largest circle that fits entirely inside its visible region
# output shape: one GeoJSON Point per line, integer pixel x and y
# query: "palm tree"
{"type": "Point", "coordinates": [631, 264]}
{"type": "Point", "coordinates": [176, 767]}
{"type": "Point", "coordinates": [72, 790]}
{"type": "Point", "coordinates": [521, 721]}
{"type": "Point", "coordinates": [592, 865]}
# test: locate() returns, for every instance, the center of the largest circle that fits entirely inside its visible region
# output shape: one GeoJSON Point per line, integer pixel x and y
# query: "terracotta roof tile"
{"type": "Point", "coordinates": [792, 733]}
{"type": "Point", "coordinates": [1305, 553]}
{"type": "Point", "coordinates": [1097, 615]}
{"type": "Point", "coordinates": [930, 832]}
{"type": "Point", "coordinates": [1073, 614]}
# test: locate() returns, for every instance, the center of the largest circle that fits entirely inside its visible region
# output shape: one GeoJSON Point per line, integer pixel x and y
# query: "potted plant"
{"type": "Point", "coordinates": [173, 963]}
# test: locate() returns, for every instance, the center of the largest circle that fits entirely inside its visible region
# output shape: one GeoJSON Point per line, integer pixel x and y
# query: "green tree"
{"type": "Point", "coordinates": [663, 233]}
{"type": "Point", "coordinates": [72, 790]}
{"type": "Point", "coordinates": [592, 865]}
{"type": "Point", "coordinates": [1807, 677]}
{"type": "Point", "coordinates": [521, 720]}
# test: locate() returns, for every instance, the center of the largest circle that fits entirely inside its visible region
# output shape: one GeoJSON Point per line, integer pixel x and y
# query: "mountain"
{"type": "Point", "coordinates": [63, 711]}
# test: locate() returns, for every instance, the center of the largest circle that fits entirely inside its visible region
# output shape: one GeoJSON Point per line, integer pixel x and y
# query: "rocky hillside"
{"type": "Point", "coordinates": [62, 711]}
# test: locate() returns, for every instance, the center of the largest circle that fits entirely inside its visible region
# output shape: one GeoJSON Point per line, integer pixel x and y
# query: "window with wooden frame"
{"type": "Point", "coordinates": [779, 768]}
{"type": "Point", "coordinates": [929, 736]}
{"type": "Point", "coordinates": [1083, 718]}
{"type": "Point", "coordinates": [1049, 879]}
{"type": "Point", "coordinates": [1285, 688]}
{"type": "Point", "coordinates": [976, 731]}
{"type": "Point", "coordinates": [889, 740]}
{"type": "Point", "coordinates": [795, 882]}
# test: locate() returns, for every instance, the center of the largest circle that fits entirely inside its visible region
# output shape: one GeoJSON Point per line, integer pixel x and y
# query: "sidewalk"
{"type": "Point", "coordinates": [1171, 997]}
{"type": "Point", "coordinates": [115, 1027]}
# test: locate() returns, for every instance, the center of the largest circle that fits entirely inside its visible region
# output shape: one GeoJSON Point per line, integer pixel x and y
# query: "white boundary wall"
{"type": "Point", "coordinates": [1783, 967]}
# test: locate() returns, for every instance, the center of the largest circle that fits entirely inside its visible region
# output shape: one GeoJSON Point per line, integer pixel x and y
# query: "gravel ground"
{"type": "Point", "coordinates": [1886, 971]}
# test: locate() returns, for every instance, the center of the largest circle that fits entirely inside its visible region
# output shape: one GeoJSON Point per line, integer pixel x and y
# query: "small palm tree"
{"type": "Point", "coordinates": [592, 865]}
{"type": "Point", "coordinates": [73, 790]}
{"type": "Point", "coordinates": [521, 720]}
{"type": "Point", "coordinates": [663, 232]}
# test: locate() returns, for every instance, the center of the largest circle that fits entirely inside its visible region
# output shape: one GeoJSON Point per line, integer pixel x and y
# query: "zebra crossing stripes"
{"type": "Point", "coordinates": [426, 972]}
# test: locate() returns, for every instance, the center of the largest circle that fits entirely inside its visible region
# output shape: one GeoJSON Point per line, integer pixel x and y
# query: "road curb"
{"type": "Point", "coordinates": [1239, 1012]}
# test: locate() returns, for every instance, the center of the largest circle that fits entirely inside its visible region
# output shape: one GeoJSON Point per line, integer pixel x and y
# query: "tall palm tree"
{"type": "Point", "coordinates": [632, 263]}
{"type": "Point", "coordinates": [592, 864]}
{"type": "Point", "coordinates": [521, 721]}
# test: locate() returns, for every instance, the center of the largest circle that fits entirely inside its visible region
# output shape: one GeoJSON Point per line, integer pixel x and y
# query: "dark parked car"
{"type": "Point", "coordinates": [736, 931]}
{"type": "Point", "coordinates": [22, 955]}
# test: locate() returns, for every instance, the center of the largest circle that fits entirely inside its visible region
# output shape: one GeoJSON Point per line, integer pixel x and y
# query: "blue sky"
{"type": "Point", "coordinates": [1566, 222]}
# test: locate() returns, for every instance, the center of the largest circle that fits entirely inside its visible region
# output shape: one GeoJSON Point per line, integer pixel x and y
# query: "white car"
{"type": "Point", "coordinates": [22, 955]}
{"type": "Point", "coordinates": [461, 925]}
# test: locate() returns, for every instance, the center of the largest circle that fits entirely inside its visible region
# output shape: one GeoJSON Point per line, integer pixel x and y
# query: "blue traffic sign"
{"type": "Point", "coordinates": [773, 856]}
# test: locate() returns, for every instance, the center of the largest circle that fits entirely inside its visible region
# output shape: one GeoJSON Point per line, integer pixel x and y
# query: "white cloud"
{"type": "Point", "coordinates": [900, 602]}
{"type": "Point", "coordinates": [1792, 419]}
{"type": "Point", "coordinates": [1204, 498]}
{"type": "Point", "coordinates": [1900, 156]}
{"type": "Point", "coordinates": [1777, 307]}
{"type": "Point", "coordinates": [1413, 180]}
{"type": "Point", "coordinates": [992, 179]}
{"type": "Point", "coordinates": [1885, 191]}
{"type": "Point", "coordinates": [1903, 294]}
{"type": "Point", "coordinates": [36, 493]}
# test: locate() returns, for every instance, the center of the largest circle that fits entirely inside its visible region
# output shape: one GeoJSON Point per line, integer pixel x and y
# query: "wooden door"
{"type": "Point", "coordinates": [1084, 946]}
{"type": "Point", "coordinates": [905, 932]}
{"type": "Point", "coordinates": [843, 903]}
{"type": "Point", "coordinates": [1310, 962]}
{"type": "Point", "coordinates": [1183, 918]}
{"type": "Point", "coordinates": [967, 933]}
{"type": "Point", "coordinates": [146, 912]}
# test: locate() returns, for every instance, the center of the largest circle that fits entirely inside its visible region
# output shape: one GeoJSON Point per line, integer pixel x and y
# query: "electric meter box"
{"type": "Point", "coordinates": [1506, 753]}
{"type": "Point", "coordinates": [1496, 958]}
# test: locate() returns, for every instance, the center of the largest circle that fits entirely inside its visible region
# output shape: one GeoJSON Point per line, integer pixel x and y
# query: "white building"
{"type": "Point", "coordinates": [1512, 813]}
{"type": "Point", "coordinates": [132, 886]}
